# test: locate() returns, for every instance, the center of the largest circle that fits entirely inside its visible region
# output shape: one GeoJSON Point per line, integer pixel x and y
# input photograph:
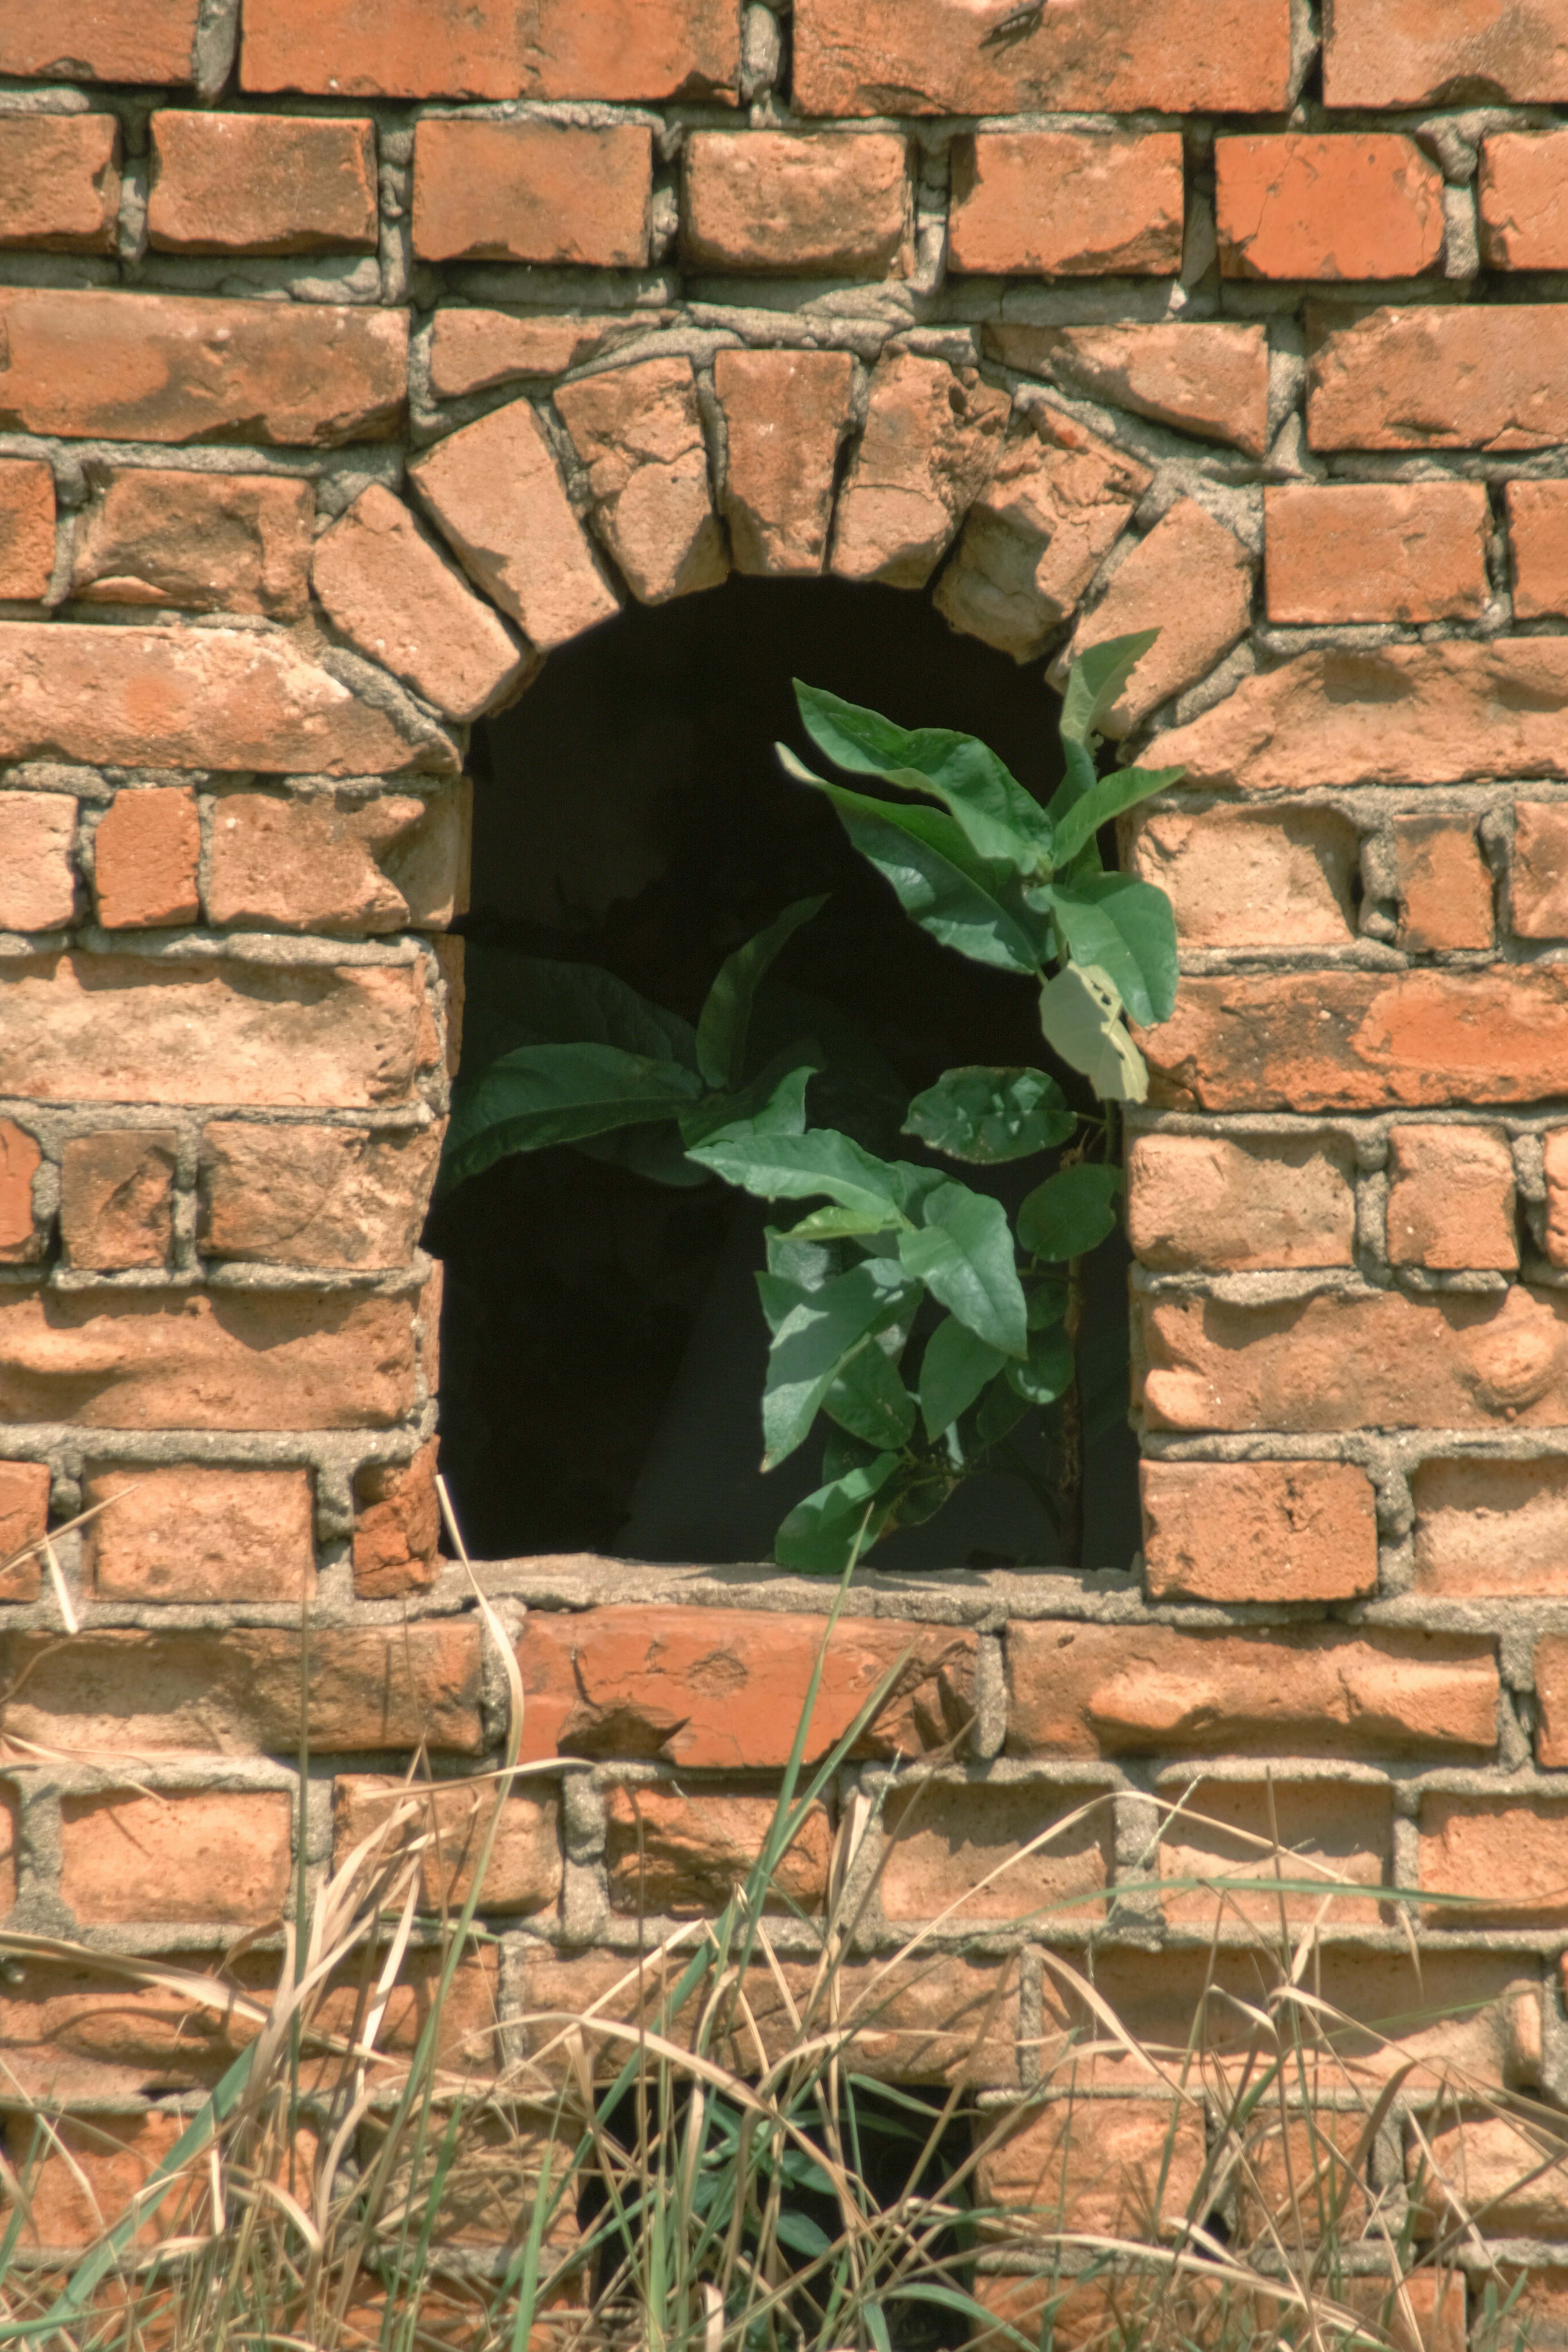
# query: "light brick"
{"type": "Point", "coordinates": [797, 204]}
{"type": "Point", "coordinates": [24, 1516]}
{"type": "Point", "coordinates": [1445, 884]}
{"type": "Point", "coordinates": [785, 415]}
{"type": "Point", "coordinates": [678, 1853]}
{"type": "Point", "coordinates": [327, 1196]}
{"type": "Point", "coordinates": [1305, 2173]}
{"type": "Point", "coordinates": [77, 2031]}
{"type": "Point", "coordinates": [8, 1842]}
{"type": "Point", "coordinates": [1325, 1832]}
{"type": "Point", "coordinates": [496, 493]}
{"type": "Point", "coordinates": [181, 1856]}
{"type": "Point", "coordinates": [1538, 879]}
{"type": "Point", "coordinates": [1489, 1530]}
{"type": "Point", "coordinates": [1555, 1153]}
{"type": "Point", "coordinates": [962, 1853]}
{"type": "Point", "coordinates": [1407, 551]}
{"type": "Point", "coordinates": [1116, 1690]}
{"type": "Point", "coordinates": [533, 190]}
{"type": "Point", "coordinates": [20, 1160]}
{"type": "Point", "coordinates": [1209, 378]}
{"type": "Point", "coordinates": [1442, 378]}
{"type": "Point", "coordinates": [37, 881]}
{"type": "Point", "coordinates": [1066, 203]}
{"type": "Point", "coordinates": [59, 182]}
{"type": "Point", "coordinates": [1381, 55]}
{"type": "Point", "coordinates": [1353, 205]}
{"type": "Point", "coordinates": [623, 49]}
{"type": "Point", "coordinates": [1250, 878]}
{"type": "Point", "coordinates": [1510, 2176]}
{"type": "Point", "coordinates": [145, 854]}
{"type": "Point", "coordinates": [1522, 194]}
{"type": "Point", "coordinates": [1110, 2167]}
{"type": "Point", "coordinates": [105, 40]}
{"type": "Point", "coordinates": [397, 1522]}
{"type": "Point", "coordinates": [298, 862]}
{"type": "Point", "coordinates": [1451, 1201]}
{"type": "Point", "coordinates": [403, 602]}
{"type": "Point", "coordinates": [1272, 1532]}
{"type": "Point", "coordinates": [1507, 1856]}
{"type": "Point", "coordinates": [82, 2178]}
{"type": "Point", "coordinates": [1551, 1701]}
{"type": "Point", "coordinates": [931, 444]}
{"type": "Point", "coordinates": [1192, 579]}
{"type": "Point", "coordinates": [1538, 530]}
{"type": "Point", "coordinates": [525, 1869]}
{"type": "Point", "coordinates": [261, 183]}
{"type": "Point", "coordinates": [117, 1197]}
{"type": "Point", "coordinates": [26, 529]}
{"type": "Point", "coordinates": [196, 1533]}
{"type": "Point", "coordinates": [1200, 1200]}
{"type": "Point", "coordinates": [473, 351]}
{"type": "Point", "coordinates": [638, 431]}
{"type": "Point", "coordinates": [209, 542]}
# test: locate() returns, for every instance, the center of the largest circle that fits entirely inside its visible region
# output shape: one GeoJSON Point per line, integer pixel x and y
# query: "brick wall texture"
{"type": "Point", "coordinates": [356, 359]}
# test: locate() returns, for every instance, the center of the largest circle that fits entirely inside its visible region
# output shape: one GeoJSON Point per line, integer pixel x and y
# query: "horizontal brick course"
{"type": "Point", "coordinates": [1385, 53]}
{"type": "Point", "coordinates": [209, 542]}
{"type": "Point", "coordinates": [525, 1866]}
{"type": "Point", "coordinates": [1537, 533]}
{"type": "Point", "coordinates": [532, 190]}
{"type": "Point", "coordinates": [1507, 1855]}
{"type": "Point", "coordinates": [297, 863]}
{"type": "Point", "coordinates": [1239, 878]}
{"type": "Point", "coordinates": [1198, 1200]}
{"type": "Point", "coordinates": [1331, 1831]}
{"type": "Point", "coordinates": [190, 1855]}
{"type": "Point", "coordinates": [1521, 194]}
{"type": "Point", "coordinates": [397, 1511]}
{"type": "Point", "coordinates": [678, 1853]}
{"type": "Point", "coordinates": [1353, 205]}
{"type": "Point", "coordinates": [1442, 378]}
{"type": "Point", "coordinates": [1259, 1531]}
{"type": "Point", "coordinates": [1110, 2167]}
{"type": "Point", "coordinates": [1488, 1530]}
{"type": "Point", "coordinates": [261, 183]}
{"type": "Point", "coordinates": [59, 182]}
{"type": "Point", "coordinates": [493, 48]}
{"type": "Point", "coordinates": [146, 854]}
{"type": "Point", "coordinates": [1443, 884]}
{"type": "Point", "coordinates": [1033, 1851]}
{"type": "Point", "coordinates": [198, 1533]}
{"type": "Point", "coordinates": [1451, 1201]}
{"type": "Point", "coordinates": [1376, 551]}
{"type": "Point", "coordinates": [117, 1198]}
{"type": "Point", "coordinates": [1068, 204]}
{"type": "Point", "coordinates": [105, 40]}
{"type": "Point", "coordinates": [797, 203]}
{"type": "Point", "coordinates": [314, 1195]}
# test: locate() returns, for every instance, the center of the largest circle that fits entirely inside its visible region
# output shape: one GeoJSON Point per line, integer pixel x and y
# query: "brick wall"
{"type": "Point", "coordinates": [354, 362]}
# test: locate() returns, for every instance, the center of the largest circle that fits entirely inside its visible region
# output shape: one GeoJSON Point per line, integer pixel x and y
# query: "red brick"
{"type": "Point", "coordinates": [1487, 1529]}
{"type": "Point", "coordinates": [314, 1195]}
{"type": "Point", "coordinates": [186, 1855]}
{"type": "Point", "coordinates": [1491, 377]}
{"type": "Point", "coordinates": [638, 431]}
{"type": "Point", "coordinates": [146, 853]}
{"type": "Point", "coordinates": [1355, 204]}
{"type": "Point", "coordinates": [533, 190]}
{"type": "Point", "coordinates": [931, 444]}
{"type": "Point", "coordinates": [1538, 529]}
{"type": "Point", "coordinates": [1552, 1700]}
{"type": "Point", "coordinates": [24, 1516]}
{"type": "Point", "coordinates": [1522, 196]}
{"type": "Point", "coordinates": [1119, 1690]}
{"type": "Point", "coordinates": [1324, 1831]}
{"type": "Point", "coordinates": [1209, 378]}
{"type": "Point", "coordinates": [1305, 2173]}
{"type": "Point", "coordinates": [1353, 1360]}
{"type": "Point", "coordinates": [397, 1525]}
{"type": "Point", "coordinates": [396, 597]}
{"type": "Point", "coordinates": [20, 1160]}
{"type": "Point", "coordinates": [238, 1692]}
{"type": "Point", "coordinates": [100, 40]}
{"type": "Point", "coordinates": [1493, 2167]}
{"type": "Point", "coordinates": [1555, 1153]}
{"type": "Point", "coordinates": [261, 183]}
{"type": "Point", "coordinates": [1364, 1041]}
{"type": "Point", "coordinates": [1066, 203]}
{"type": "Point", "coordinates": [525, 1870]}
{"type": "Point", "coordinates": [1538, 879]}
{"type": "Point", "coordinates": [1193, 578]}
{"type": "Point", "coordinates": [1508, 1856]}
{"type": "Point", "coordinates": [939, 57]}
{"type": "Point", "coordinates": [191, 1532]}
{"type": "Point", "coordinates": [1111, 2168]}
{"type": "Point", "coordinates": [1398, 53]}
{"type": "Point", "coordinates": [785, 415]}
{"type": "Point", "coordinates": [82, 2178]}
{"type": "Point", "coordinates": [724, 1689]}
{"type": "Point", "coordinates": [472, 351]}
{"type": "Point", "coordinates": [496, 493]}
{"type": "Point", "coordinates": [964, 1853]}
{"type": "Point", "coordinates": [298, 862]}
{"type": "Point", "coordinates": [1259, 1531]}
{"type": "Point", "coordinates": [1199, 1200]}
{"type": "Point", "coordinates": [797, 204]}
{"type": "Point", "coordinates": [210, 542]}
{"type": "Point", "coordinates": [678, 1852]}
{"type": "Point", "coordinates": [1243, 877]}
{"type": "Point", "coordinates": [59, 182]}
{"type": "Point", "coordinates": [168, 367]}
{"type": "Point", "coordinates": [493, 48]}
{"type": "Point", "coordinates": [190, 1360]}
{"type": "Point", "coordinates": [1445, 884]}
{"type": "Point", "coordinates": [26, 529]}
{"type": "Point", "coordinates": [76, 2031]}
{"type": "Point", "coordinates": [1451, 1199]}
{"type": "Point", "coordinates": [117, 1197]}
{"type": "Point", "coordinates": [37, 881]}
{"type": "Point", "coordinates": [1376, 551]}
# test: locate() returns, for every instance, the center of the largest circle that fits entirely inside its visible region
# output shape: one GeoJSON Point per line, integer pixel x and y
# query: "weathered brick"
{"type": "Point", "coordinates": [525, 1869]}
{"type": "Point", "coordinates": [1552, 1700]}
{"type": "Point", "coordinates": [179, 1855]}
{"type": "Point", "coordinates": [1038, 531]}
{"type": "Point", "coordinates": [76, 2031]}
{"type": "Point", "coordinates": [298, 863]}
{"type": "Point", "coordinates": [1068, 204]}
{"type": "Point", "coordinates": [1521, 191]}
{"type": "Point", "coordinates": [1445, 885]}
{"type": "Point", "coordinates": [173, 367]}
{"type": "Point", "coordinates": [82, 2178]}
{"type": "Point", "coordinates": [191, 1360]}
{"type": "Point", "coordinates": [949, 57]}
{"type": "Point", "coordinates": [797, 204]}
{"type": "Point", "coordinates": [238, 1692]}
{"type": "Point", "coordinates": [314, 1195]}
{"type": "Point", "coordinates": [533, 190]}
{"type": "Point", "coordinates": [1538, 530]}
{"type": "Point", "coordinates": [1305, 2173]}
{"type": "Point", "coordinates": [1110, 2167]}
{"type": "Point", "coordinates": [638, 431]}
{"type": "Point", "coordinates": [785, 417]}
{"type": "Point", "coordinates": [26, 529]}
{"type": "Point", "coordinates": [9, 1827]}
{"type": "Point", "coordinates": [59, 182]}
{"type": "Point", "coordinates": [493, 48]}
{"type": "Point", "coordinates": [1355, 204]}
{"type": "Point", "coordinates": [679, 1851]}
{"type": "Point", "coordinates": [1442, 378]}
{"type": "Point", "coordinates": [1555, 1153]}
{"type": "Point", "coordinates": [37, 881]}
{"type": "Point", "coordinates": [398, 1524]}
{"type": "Point", "coordinates": [963, 1852]}
{"type": "Point", "coordinates": [1538, 878]}
{"type": "Point", "coordinates": [1353, 1360]}
{"type": "Point", "coordinates": [401, 600]}
{"type": "Point", "coordinates": [1486, 1530]}
{"type": "Point", "coordinates": [1200, 1200]}
{"type": "Point", "coordinates": [146, 851]}
{"type": "Point", "coordinates": [117, 1197]}
{"type": "Point", "coordinates": [103, 40]}
{"type": "Point", "coordinates": [472, 351]}
{"type": "Point", "coordinates": [1492, 2167]}
{"type": "Point", "coordinates": [20, 1160]}
{"type": "Point", "coordinates": [1193, 578]}
{"type": "Point", "coordinates": [1117, 1690]}
{"type": "Point", "coordinates": [1324, 1831]}
{"type": "Point", "coordinates": [1209, 378]}
{"type": "Point", "coordinates": [1451, 1201]}
{"type": "Point", "coordinates": [261, 183]}
{"type": "Point", "coordinates": [1243, 877]}
{"type": "Point", "coordinates": [931, 441]}
{"type": "Point", "coordinates": [24, 1516]}
{"type": "Point", "coordinates": [1376, 551]}
{"type": "Point", "coordinates": [1381, 55]}
{"type": "Point", "coordinates": [1507, 1856]}
{"type": "Point", "coordinates": [496, 493]}
{"type": "Point", "coordinates": [724, 1689]}
{"type": "Point", "coordinates": [210, 542]}
{"type": "Point", "coordinates": [1259, 1531]}
{"type": "Point", "coordinates": [193, 1532]}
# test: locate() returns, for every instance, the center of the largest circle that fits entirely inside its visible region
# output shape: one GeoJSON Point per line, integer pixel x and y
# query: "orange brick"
{"type": "Point", "coordinates": [1302, 2175]}
{"type": "Point", "coordinates": [105, 40]}
{"type": "Point", "coordinates": [964, 1853]}
{"type": "Point", "coordinates": [1523, 194]}
{"type": "Point", "coordinates": [798, 203]}
{"type": "Point", "coordinates": [117, 1197]}
{"type": "Point", "coordinates": [1325, 1833]}
{"type": "Point", "coordinates": [1445, 884]}
{"type": "Point", "coordinates": [188, 1855]}
{"type": "Point", "coordinates": [1198, 1201]}
{"type": "Point", "coordinates": [1538, 880]}
{"type": "Point", "coordinates": [493, 48]}
{"type": "Point", "coordinates": [1381, 55]}
{"type": "Point", "coordinates": [37, 881]}
{"type": "Point", "coordinates": [76, 2031]}
{"type": "Point", "coordinates": [1112, 2167]}
{"type": "Point", "coordinates": [314, 1195]}
{"type": "Point", "coordinates": [1507, 1855]}
{"type": "Point", "coordinates": [1355, 204]}
{"type": "Point", "coordinates": [1555, 1153]}
{"type": "Point", "coordinates": [298, 862]}
{"type": "Point", "coordinates": [9, 1829]}
{"type": "Point", "coordinates": [533, 190]}
{"type": "Point", "coordinates": [472, 351]}
{"type": "Point", "coordinates": [786, 415]}
{"type": "Point", "coordinates": [638, 431]}
{"type": "Point", "coordinates": [397, 1527]}
{"type": "Point", "coordinates": [1498, 2170]}
{"type": "Point", "coordinates": [1487, 1529]}
{"type": "Point", "coordinates": [81, 2178]}
{"type": "Point", "coordinates": [261, 183]}
{"type": "Point", "coordinates": [1068, 204]}
{"type": "Point", "coordinates": [24, 1516]}
{"type": "Point", "coordinates": [1442, 377]}
{"type": "Point", "coordinates": [26, 529]}
{"type": "Point", "coordinates": [1552, 1700]}
{"type": "Point", "coordinates": [146, 853]}
{"type": "Point", "coordinates": [1259, 1531]}
{"type": "Point", "coordinates": [59, 182]}
{"type": "Point", "coordinates": [675, 1851]}
{"type": "Point", "coordinates": [525, 1870]}
{"type": "Point", "coordinates": [1376, 551]}
{"type": "Point", "coordinates": [1538, 529]}
{"type": "Point", "coordinates": [931, 444]}
{"type": "Point", "coordinates": [1209, 378]}
{"type": "Point", "coordinates": [210, 542]}
{"type": "Point", "coordinates": [1239, 878]}
{"type": "Point", "coordinates": [20, 1160]}
{"type": "Point", "coordinates": [1451, 1198]}
{"type": "Point", "coordinates": [192, 1532]}
{"type": "Point", "coordinates": [1192, 578]}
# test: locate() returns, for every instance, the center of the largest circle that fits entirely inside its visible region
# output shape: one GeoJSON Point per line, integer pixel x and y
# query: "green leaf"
{"type": "Point", "coordinates": [801, 2234]}
{"type": "Point", "coordinates": [541, 1094]}
{"type": "Point", "coordinates": [987, 1115]}
{"type": "Point", "coordinates": [1001, 1409]}
{"type": "Point", "coordinates": [813, 1340]}
{"type": "Point", "coordinates": [1048, 1304]}
{"type": "Point", "coordinates": [517, 1000]}
{"type": "Point", "coordinates": [1106, 798]}
{"type": "Point", "coordinates": [1000, 820]}
{"type": "Point", "coordinates": [1095, 680]}
{"type": "Point", "coordinates": [955, 1368]}
{"type": "Point", "coordinates": [1080, 1017]}
{"type": "Point", "coordinates": [726, 1017]}
{"type": "Point", "coordinates": [819, 1535]}
{"type": "Point", "coordinates": [870, 1400]}
{"type": "Point", "coordinates": [1070, 1213]}
{"type": "Point", "coordinates": [773, 1103]}
{"type": "Point", "coordinates": [963, 1254]}
{"type": "Point", "coordinates": [802, 1167]}
{"type": "Point", "coordinates": [1048, 1372]}
{"type": "Point", "coordinates": [961, 899]}
{"type": "Point", "coordinates": [1128, 931]}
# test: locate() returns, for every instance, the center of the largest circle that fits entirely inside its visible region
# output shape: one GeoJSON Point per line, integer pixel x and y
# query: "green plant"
{"type": "Point", "coordinates": [910, 1310]}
